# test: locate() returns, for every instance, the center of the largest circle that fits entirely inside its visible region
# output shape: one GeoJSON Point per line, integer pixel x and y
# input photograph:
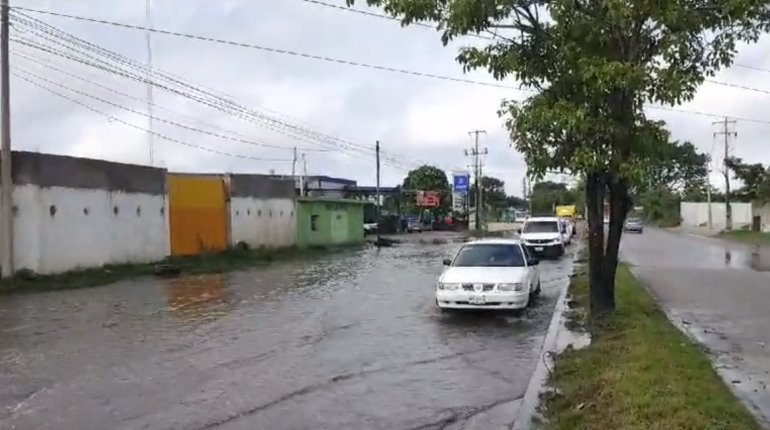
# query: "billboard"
{"type": "Point", "coordinates": [428, 199]}
{"type": "Point", "coordinates": [461, 182]}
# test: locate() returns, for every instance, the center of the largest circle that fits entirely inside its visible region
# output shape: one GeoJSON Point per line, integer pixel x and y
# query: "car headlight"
{"type": "Point", "coordinates": [448, 286]}
{"type": "Point", "coordinates": [515, 287]}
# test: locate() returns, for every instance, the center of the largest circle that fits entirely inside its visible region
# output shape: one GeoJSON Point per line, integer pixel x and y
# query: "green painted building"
{"type": "Point", "coordinates": [323, 222]}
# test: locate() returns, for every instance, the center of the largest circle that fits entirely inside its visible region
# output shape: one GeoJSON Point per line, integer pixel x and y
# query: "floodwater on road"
{"type": "Point", "coordinates": [349, 341]}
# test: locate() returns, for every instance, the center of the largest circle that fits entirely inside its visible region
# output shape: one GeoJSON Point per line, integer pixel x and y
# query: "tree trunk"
{"type": "Point", "coordinates": [595, 189]}
{"type": "Point", "coordinates": [620, 203]}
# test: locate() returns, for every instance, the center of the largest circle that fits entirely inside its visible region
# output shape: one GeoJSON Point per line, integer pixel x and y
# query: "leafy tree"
{"type": "Point", "coordinates": [492, 193]}
{"type": "Point", "coordinates": [755, 178]}
{"type": "Point", "coordinates": [594, 64]}
{"type": "Point", "coordinates": [680, 167]}
{"type": "Point", "coordinates": [427, 178]}
{"type": "Point", "coordinates": [547, 194]}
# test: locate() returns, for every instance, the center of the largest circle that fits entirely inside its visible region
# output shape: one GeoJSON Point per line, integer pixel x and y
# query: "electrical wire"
{"type": "Point", "coordinates": [272, 50]}
{"type": "Point", "coordinates": [388, 17]}
{"type": "Point", "coordinates": [144, 80]}
{"type": "Point", "coordinates": [20, 75]}
{"type": "Point", "coordinates": [239, 137]}
{"type": "Point", "coordinates": [59, 35]}
{"type": "Point", "coordinates": [355, 63]}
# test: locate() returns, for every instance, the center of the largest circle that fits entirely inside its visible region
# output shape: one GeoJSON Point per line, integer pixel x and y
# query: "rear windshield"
{"type": "Point", "coordinates": [541, 227]}
{"type": "Point", "coordinates": [489, 255]}
{"type": "Point", "coordinates": [634, 220]}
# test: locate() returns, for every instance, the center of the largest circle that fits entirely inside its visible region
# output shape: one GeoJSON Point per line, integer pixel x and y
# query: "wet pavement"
{"type": "Point", "coordinates": [719, 292]}
{"type": "Point", "coordinates": [350, 341]}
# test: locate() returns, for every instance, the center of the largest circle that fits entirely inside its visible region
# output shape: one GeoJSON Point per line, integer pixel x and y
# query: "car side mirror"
{"type": "Point", "coordinates": [534, 261]}
{"type": "Point", "coordinates": [447, 262]}
{"type": "Point", "coordinates": [518, 231]}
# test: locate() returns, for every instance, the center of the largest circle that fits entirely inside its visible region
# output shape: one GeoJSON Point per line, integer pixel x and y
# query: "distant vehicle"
{"type": "Point", "coordinates": [414, 225]}
{"type": "Point", "coordinates": [370, 228]}
{"type": "Point", "coordinates": [569, 229]}
{"type": "Point", "coordinates": [567, 211]}
{"type": "Point", "coordinates": [489, 274]}
{"type": "Point", "coordinates": [544, 235]}
{"type": "Point", "coordinates": [634, 225]}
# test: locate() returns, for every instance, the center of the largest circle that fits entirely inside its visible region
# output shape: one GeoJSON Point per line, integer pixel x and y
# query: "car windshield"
{"type": "Point", "coordinates": [541, 227]}
{"type": "Point", "coordinates": [634, 221]}
{"type": "Point", "coordinates": [490, 255]}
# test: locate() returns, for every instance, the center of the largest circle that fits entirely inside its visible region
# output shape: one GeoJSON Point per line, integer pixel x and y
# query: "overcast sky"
{"type": "Point", "coordinates": [415, 118]}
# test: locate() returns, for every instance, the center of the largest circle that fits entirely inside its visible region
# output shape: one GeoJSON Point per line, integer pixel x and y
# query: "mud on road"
{"type": "Point", "coordinates": [350, 341]}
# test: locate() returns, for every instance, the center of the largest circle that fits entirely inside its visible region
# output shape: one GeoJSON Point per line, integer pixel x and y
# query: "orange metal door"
{"type": "Point", "coordinates": [198, 217]}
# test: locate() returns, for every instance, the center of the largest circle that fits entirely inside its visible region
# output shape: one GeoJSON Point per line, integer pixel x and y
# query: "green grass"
{"type": "Point", "coordinates": [752, 237]}
{"type": "Point", "coordinates": [232, 259]}
{"type": "Point", "coordinates": [639, 373]}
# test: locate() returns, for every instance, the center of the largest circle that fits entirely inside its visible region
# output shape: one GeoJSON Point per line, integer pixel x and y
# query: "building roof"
{"type": "Point", "coordinates": [329, 200]}
{"type": "Point", "coordinates": [332, 179]}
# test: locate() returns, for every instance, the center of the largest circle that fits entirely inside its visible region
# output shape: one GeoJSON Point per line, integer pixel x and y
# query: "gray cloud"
{"type": "Point", "coordinates": [415, 117]}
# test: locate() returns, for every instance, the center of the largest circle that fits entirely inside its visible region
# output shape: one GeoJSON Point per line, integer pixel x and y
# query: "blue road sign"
{"type": "Point", "coordinates": [461, 183]}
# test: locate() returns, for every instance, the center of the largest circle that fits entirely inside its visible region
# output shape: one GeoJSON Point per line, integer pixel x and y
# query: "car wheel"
{"type": "Point", "coordinates": [537, 289]}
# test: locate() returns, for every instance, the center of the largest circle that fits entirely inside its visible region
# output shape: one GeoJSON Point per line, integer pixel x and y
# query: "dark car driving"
{"type": "Point", "coordinates": [634, 225]}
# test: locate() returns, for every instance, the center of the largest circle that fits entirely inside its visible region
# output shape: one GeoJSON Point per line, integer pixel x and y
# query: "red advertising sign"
{"type": "Point", "coordinates": [428, 199]}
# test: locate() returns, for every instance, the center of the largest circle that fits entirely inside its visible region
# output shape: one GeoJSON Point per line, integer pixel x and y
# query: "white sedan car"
{"type": "Point", "coordinates": [489, 274]}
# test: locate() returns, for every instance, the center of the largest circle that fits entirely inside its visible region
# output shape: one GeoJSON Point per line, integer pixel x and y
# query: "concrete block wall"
{"type": "Point", "coordinates": [73, 213]}
{"type": "Point", "coordinates": [695, 214]}
{"type": "Point", "coordinates": [262, 211]}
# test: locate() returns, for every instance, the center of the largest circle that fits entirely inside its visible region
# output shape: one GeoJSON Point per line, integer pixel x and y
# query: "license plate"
{"type": "Point", "coordinates": [539, 248]}
{"type": "Point", "coordinates": [477, 300]}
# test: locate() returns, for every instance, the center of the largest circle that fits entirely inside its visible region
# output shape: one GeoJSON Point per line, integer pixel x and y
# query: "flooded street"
{"type": "Point", "coordinates": [349, 341]}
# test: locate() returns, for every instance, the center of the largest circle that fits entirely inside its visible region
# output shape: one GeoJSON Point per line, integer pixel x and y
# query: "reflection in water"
{"type": "Point", "coordinates": [741, 259]}
{"type": "Point", "coordinates": [199, 298]}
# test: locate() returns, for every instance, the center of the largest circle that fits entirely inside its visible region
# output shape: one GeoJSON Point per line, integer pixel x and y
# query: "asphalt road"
{"type": "Point", "coordinates": [719, 292]}
{"type": "Point", "coordinates": [351, 341]}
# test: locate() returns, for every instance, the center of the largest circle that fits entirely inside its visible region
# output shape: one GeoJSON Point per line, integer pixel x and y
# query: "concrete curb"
{"type": "Point", "coordinates": [537, 383]}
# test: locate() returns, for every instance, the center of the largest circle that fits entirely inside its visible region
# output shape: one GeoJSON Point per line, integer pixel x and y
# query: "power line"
{"type": "Point", "coordinates": [162, 120]}
{"type": "Point", "coordinates": [388, 17]}
{"type": "Point", "coordinates": [356, 63]}
{"type": "Point", "coordinates": [273, 50]}
{"type": "Point", "coordinates": [116, 119]}
{"type": "Point", "coordinates": [220, 103]}
{"type": "Point", "coordinates": [155, 105]}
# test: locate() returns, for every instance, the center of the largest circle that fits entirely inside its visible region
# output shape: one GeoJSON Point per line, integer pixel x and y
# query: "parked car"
{"type": "Point", "coordinates": [370, 228]}
{"type": "Point", "coordinates": [414, 225]}
{"type": "Point", "coordinates": [568, 230]}
{"type": "Point", "coordinates": [489, 274]}
{"type": "Point", "coordinates": [634, 225]}
{"type": "Point", "coordinates": [544, 236]}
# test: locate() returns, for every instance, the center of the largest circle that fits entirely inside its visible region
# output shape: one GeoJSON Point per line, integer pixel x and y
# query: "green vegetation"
{"type": "Point", "coordinates": [752, 237]}
{"type": "Point", "coordinates": [593, 68]}
{"type": "Point", "coordinates": [232, 259]}
{"type": "Point", "coordinates": [639, 373]}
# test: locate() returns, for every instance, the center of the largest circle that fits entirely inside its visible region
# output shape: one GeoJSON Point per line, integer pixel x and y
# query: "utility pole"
{"type": "Point", "coordinates": [303, 176]}
{"type": "Point", "coordinates": [727, 133]}
{"type": "Point", "coordinates": [377, 206]}
{"type": "Point", "coordinates": [475, 153]}
{"type": "Point", "coordinates": [150, 97]}
{"type": "Point", "coordinates": [294, 163]}
{"type": "Point", "coordinates": [708, 191]}
{"type": "Point", "coordinates": [6, 181]}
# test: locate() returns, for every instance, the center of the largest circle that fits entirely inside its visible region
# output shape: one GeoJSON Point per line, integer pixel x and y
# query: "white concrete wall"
{"type": "Point", "coordinates": [696, 214]}
{"type": "Point", "coordinates": [251, 222]}
{"type": "Point", "coordinates": [71, 239]}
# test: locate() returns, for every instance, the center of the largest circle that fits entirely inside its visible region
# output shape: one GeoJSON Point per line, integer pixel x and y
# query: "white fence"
{"type": "Point", "coordinates": [696, 214]}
